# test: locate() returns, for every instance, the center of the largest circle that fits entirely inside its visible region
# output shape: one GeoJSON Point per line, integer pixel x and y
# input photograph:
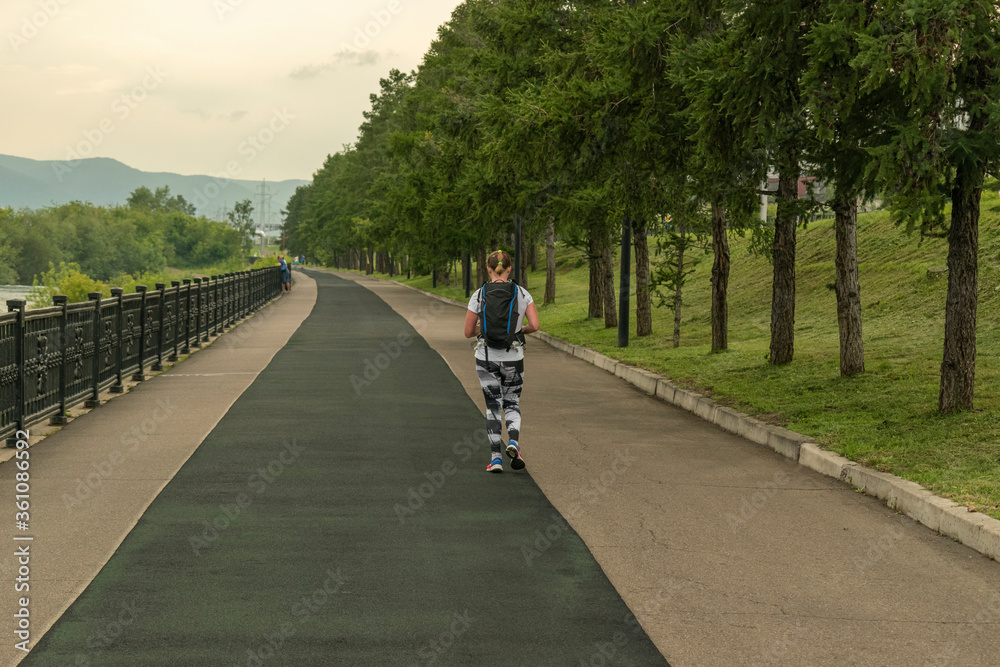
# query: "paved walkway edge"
{"type": "Point", "coordinates": [973, 529]}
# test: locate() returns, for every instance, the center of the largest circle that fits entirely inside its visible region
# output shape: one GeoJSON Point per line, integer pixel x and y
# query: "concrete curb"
{"type": "Point", "coordinates": [973, 529]}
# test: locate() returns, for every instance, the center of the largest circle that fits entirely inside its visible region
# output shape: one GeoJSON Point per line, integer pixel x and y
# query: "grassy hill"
{"type": "Point", "coordinates": [885, 418]}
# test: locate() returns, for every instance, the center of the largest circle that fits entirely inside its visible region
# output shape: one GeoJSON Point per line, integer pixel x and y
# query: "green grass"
{"type": "Point", "coordinates": [885, 418]}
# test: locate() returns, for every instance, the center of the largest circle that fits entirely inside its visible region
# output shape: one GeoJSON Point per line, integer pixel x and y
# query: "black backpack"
{"type": "Point", "coordinates": [498, 312]}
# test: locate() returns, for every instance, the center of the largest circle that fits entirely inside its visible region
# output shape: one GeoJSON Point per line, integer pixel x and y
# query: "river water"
{"type": "Point", "coordinates": [12, 292]}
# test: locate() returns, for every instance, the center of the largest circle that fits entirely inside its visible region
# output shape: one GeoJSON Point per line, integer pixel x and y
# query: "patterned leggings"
{"type": "Point", "coordinates": [501, 382]}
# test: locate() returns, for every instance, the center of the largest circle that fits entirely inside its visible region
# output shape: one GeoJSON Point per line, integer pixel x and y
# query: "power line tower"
{"type": "Point", "coordinates": [265, 202]}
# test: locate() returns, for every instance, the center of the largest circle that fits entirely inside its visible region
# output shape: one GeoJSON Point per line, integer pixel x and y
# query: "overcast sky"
{"type": "Point", "coordinates": [264, 88]}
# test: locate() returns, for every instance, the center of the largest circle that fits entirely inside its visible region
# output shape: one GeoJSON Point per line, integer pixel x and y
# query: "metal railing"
{"type": "Point", "coordinates": [54, 358]}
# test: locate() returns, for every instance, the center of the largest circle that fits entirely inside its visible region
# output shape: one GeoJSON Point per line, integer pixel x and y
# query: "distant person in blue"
{"type": "Point", "coordinates": [286, 275]}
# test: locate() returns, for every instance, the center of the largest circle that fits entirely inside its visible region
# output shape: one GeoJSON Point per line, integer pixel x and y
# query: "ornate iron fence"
{"type": "Point", "coordinates": [54, 358]}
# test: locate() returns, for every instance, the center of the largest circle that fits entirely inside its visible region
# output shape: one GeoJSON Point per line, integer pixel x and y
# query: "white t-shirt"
{"type": "Point", "coordinates": [516, 352]}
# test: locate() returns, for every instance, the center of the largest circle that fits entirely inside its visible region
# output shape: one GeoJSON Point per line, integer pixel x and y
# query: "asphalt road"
{"type": "Point", "coordinates": [339, 513]}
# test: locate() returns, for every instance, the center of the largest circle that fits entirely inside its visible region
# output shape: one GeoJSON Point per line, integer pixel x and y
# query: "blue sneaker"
{"type": "Point", "coordinates": [514, 452]}
{"type": "Point", "coordinates": [496, 465]}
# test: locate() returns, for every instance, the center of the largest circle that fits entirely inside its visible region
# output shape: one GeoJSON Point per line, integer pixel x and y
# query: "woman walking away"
{"type": "Point", "coordinates": [496, 314]}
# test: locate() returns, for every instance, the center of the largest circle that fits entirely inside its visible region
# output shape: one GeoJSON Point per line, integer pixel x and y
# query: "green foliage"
{"type": "Point", "coordinates": [9, 256]}
{"type": "Point", "coordinates": [69, 280]}
{"type": "Point", "coordinates": [592, 113]}
{"type": "Point", "coordinates": [108, 241]}
{"type": "Point", "coordinates": [66, 279]}
{"type": "Point", "coordinates": [846, 119]}
{"type": "Point", "coordinates": [201, 242]}
{"type": "Point", "coordinates": [142, 198]}
{"type": "Point", "coordinates": [937, 62]}
{"type": "Point", "coordinates": [675, 241]}
{"type": "Point", "coordinates": [241, 219]}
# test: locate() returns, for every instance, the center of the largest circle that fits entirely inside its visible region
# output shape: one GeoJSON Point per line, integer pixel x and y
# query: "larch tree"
{"type": "Point", "coordinates": [846, 122]}
{"type": "Point", "coordinates": [762, 59]}
{"type": "Point", "coordinates": [943, 59]}
{"type": "Point", "coordinates": [724, 163]}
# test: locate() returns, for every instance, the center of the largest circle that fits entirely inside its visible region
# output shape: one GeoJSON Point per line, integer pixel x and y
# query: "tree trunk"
{"type": "Point", "coordinates": [467, 271]}
{"type": "Point", "coordinates": [371, 262]}
{"type": "Point", "coordinates": [783, 284]}
{"type": "Point", "coordinates": [848, 286]}
{"type": "Point", "coordinates": [643, 299]}
{"type": "Point", "coordinates": [677, 296]}
{"type": "Point", "coordinates": [550, 261]}
{"type": "Point", "coordinates": [720, 279]}
{"type": "Point", "coordinates": [958, 368]}
{"type": "Point", "coordinates": [610, 308]}
{"type": "Point", "coordinates": [596, 259]}
{"type": "Point", "coordinates": [533, 251]}
{"type": "Point", "coordinates": [523, 269]}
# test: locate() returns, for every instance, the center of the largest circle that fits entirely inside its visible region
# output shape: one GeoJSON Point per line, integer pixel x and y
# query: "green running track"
{"type": "Point", "coordinates": [334, 519]}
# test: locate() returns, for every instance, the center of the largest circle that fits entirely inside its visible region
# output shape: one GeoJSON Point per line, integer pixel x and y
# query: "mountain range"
{"type": "Point", "coordinates": [28, 183]}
